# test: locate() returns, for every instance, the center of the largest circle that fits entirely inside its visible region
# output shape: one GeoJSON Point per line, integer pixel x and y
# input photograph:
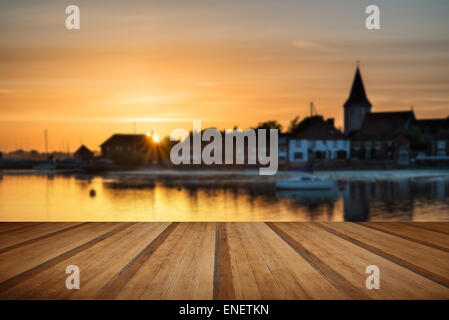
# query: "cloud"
{"type": "Point", "coordinates": [309, 45]}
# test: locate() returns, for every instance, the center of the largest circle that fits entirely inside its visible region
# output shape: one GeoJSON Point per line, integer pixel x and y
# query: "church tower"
{"type": "Point", "coordinates": [357, 105]}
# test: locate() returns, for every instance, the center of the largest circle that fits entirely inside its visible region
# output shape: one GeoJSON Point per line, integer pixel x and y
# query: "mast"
{"type": "Point", "coordinates": [46, 142]}
{"type": "Point", "coordinates": [312, 109]}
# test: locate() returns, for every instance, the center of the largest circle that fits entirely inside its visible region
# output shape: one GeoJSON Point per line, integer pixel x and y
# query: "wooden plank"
{"type": "Point", "coordinates": [411, 232]}
{"type": "Point", "coordinates": [223, 284]}
{"type": "Point", "coordinates": [244, 280]}
{"type": "Point", "coordinates": [115, 285]}
{"type": "Point", "coordinates": [297, 241]}
{"type": "Point", "coordinates": [21, 237]}
{"type": "Point", "coordinates": [194, 276]}
{"type": "Point", "coordinates": [17, 261]}
{"type": "Point", "coordinates": [168, 274]}
{"type": "Point", "coordinates": [11, 226]}
{"type": "Point", "coordinates": [441, 227]}
{"type": "Point", "coordinates": [225, 260]}
{"type": "Point", "coordinates": [349, 261]}
{"type": "Point", "coordinates": [428, 262]}
{"type": "Point", "coordinates": [98, 264]}
{"type": "Point", "coordinates": [265, 267]}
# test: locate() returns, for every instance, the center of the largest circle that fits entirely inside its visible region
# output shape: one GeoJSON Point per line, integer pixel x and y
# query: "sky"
{"type": "Point", "coordinates": [162, 64]}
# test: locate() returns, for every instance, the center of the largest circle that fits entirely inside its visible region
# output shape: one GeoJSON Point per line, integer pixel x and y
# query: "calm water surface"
{"type": "Point", "coordinates": [37, 197]}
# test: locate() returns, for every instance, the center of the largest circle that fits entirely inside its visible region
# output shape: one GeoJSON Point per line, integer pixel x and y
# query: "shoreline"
{"type": "Point", "coordinates": [383, 174]}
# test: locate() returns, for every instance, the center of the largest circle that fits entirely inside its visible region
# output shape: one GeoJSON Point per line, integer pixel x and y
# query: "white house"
{"type": "Point", "coordinates": [316, 139]}
{"type": "Point", "coordinates": [283, 149]}
{"type": "Point", "coordinates": [304, 150]}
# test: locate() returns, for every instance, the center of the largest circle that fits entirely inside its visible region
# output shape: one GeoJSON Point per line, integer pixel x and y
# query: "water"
{"type": "Point", "coordinates": [375, 196]}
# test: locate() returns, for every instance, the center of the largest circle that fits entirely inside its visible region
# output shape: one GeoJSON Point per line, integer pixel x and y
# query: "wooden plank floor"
{"type": "Point", "coordinates": [224, 260]}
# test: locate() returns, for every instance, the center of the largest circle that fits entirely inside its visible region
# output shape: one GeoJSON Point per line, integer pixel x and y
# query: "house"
{"type": "Point", "coordinates": [376, 138]}
{"type": "Point", "coordinates": [283, 148]}
{"type": "Point", "coordinates": [440, 145]}
{"type": "Point", "coordinates": [83, 154]}
{"type": "Point", "coordinates": [319, 140]}
{"type": "Point", "coordinates": [130, 149]}
{"type": "Point", "coordinates": [435, 133]}
{"type": "Point", "coordinates": [436, 147]}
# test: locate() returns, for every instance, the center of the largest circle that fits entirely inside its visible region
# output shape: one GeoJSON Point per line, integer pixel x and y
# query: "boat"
{"type": "Point", "coordinates": [306, 182]}
{"type": "Point", "coordinates": [47, 165]}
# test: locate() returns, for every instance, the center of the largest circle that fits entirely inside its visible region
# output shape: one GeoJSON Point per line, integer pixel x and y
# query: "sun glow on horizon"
{"type": "Point", "coordinates": [227, 66]}
{"type": "Point", "coordinates": [153, 136]}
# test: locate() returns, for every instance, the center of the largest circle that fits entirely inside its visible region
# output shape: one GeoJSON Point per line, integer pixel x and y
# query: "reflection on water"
{"type": "Point", "coordinates": [28, 197]}
{"type": "Point", "coordinates": [418, 200]}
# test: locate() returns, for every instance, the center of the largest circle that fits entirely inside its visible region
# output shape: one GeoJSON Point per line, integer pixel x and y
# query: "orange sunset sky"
{"type": "Point", "coordinates": [165, 63]}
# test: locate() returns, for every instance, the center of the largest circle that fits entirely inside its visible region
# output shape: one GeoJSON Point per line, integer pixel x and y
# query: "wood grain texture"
{"type": "Point", "coordinates": [223, 284]}
{"type": "Point", "coordinates": [297, 238]}
{"type": "Point", "coordinates": [426, 237]}
{"type": "Point", "coordinates": [441, 227]}
{"type": "Point", "coordinates": [115, 284]}
{"type": "Point", "coordinates": [224, 260]}
{"type": "Point", "coordinates": [348, 262]}
{"type": "Point", "coordinates": [11, 226]}
{"type": "Point", "coordinates": [181, 268]}
{"type": "Point", "coordinates": [266, 267]}
{"type": "Point", "coordinates": [24, 236]}
{"type": "Point", "coordinates": [421, 259]}
{"type": "Point", "coordinates": [99, 262]}
{"type": "Point", "coordinates": [24, 259]}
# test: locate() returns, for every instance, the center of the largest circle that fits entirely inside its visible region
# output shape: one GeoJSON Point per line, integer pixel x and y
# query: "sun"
{"type": "Point", "coordinates": [153, 137]}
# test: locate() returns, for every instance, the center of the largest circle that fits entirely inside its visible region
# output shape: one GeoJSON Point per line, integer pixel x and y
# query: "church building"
{"type": "Point", "coordinates": [357, 106]}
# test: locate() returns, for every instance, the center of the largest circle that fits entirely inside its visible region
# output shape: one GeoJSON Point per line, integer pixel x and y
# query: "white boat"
{"type": "Point", "coordinates": [308, 182]}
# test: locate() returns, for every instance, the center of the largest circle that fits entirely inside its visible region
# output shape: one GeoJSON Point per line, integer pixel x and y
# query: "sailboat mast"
{"type": "Point", "coordinates": [46, 142]}
{"type": "Point", "coordinates": [313, 109]}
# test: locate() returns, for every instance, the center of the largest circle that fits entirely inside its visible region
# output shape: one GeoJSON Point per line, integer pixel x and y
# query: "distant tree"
{"type": "Point", "coordinates": [293, 125]}
{"type": "Point", "coordinates": [297, 126]}
{"type": "Point", "coordinates": [270, 124]}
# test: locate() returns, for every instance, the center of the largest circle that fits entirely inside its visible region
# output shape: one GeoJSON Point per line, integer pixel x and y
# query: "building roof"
{"type": "Point", "coordinates": [83, 150]}
{"type": "Point", "coordinates": [381, 125]}
{"type": "Point", "coordinates": [357, 97]}
{"type": "Point", "coordinates": [432, 125]}
{"type": "Point", "coordinates": [126, 139]}
{"type": "Point", "coordinates": [320, 130]}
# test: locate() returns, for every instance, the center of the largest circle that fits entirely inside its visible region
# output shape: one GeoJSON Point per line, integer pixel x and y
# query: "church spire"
{"type": "Point", "coordinates": [357, 97]}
